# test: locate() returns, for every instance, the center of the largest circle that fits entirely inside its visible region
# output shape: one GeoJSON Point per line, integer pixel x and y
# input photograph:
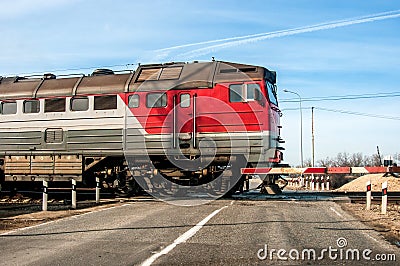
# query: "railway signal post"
{"type": "Point", "coordinates": [368, 195]}
{"type": "Point", "coordinates": [384, 197]}
{"type": "Point", "coordinates": [73, 194]}
{"type": "Point", "coordinates": [45, 196]}
{"type": "Point", "coordinates": [97, 190]}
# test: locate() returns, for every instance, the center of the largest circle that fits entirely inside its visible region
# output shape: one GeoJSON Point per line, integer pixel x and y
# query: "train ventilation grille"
{"type": "Point", "coordinates": [54, 135]}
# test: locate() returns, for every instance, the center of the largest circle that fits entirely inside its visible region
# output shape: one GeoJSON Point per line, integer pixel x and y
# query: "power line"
{"type": "Point", "coordinates": [73, 69]}
{"type": "Point", "coordinates": [344, 97]}
{"type": "Point", "coordinates": [347, 112]}
{"type": "Point", "coordinates": [358, 113]}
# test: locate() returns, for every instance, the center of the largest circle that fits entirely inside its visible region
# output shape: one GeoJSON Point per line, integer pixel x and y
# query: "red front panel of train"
{"type": "Point", "coordinates": [219, 109]}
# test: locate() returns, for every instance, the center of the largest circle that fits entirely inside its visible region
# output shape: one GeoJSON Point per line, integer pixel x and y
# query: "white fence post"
{"type": "Point", "coordinates": [384, 197]}
{"type": "Point", "coordinates": [73, 194]}
{"type": "Point", "coordinates": [45, 196]}
{"type": "Point", "coordinates": [322, 183]}
{"type": "Point", "coordinates": [327, 183]}
{"type": "Point", "coordinates": [97, 190]}
{"type": "Point", "coordinates": [317, 182]}
{"type": "Point", "coordinates": [369, 195]}
{"type": "Point", "coordinates": [312, 182]}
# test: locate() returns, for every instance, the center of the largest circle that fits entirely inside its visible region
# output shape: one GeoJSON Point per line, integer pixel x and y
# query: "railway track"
{"type": "Point", "coordinates": [62, 197]}
{"type": "Point", "coordinates": [360, 197]}
{"type": "Point", "coordinates": [353, 197]}
{"type": "Point", "coordinates": [376, 200]}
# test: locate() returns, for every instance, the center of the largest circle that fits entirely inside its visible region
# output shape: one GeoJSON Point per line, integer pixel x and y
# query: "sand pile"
{"type": "Point", "coordinates": [359, 184]}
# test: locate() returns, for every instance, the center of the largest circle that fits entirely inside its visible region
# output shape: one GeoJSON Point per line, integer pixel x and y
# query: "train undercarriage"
{"type": "Point", "coordinates": [126, 175]}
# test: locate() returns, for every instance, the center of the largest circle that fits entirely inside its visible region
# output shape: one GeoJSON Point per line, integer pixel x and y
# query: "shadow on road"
{"type": "Point", "coordinates": [336, 223]}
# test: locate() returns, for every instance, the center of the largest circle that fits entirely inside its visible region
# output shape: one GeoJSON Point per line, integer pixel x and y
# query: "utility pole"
{"type": "Point", "coordinates": [312, 141]}
{"type": "Point", "coordinates": [312, 136]}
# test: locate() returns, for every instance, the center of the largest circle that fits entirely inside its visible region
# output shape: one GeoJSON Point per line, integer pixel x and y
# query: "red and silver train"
{"type": "Point", "coordinates": [186, 124]}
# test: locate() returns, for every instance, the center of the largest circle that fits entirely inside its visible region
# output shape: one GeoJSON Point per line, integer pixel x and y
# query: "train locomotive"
{"type": "Point", "coordinates": [158, 127]}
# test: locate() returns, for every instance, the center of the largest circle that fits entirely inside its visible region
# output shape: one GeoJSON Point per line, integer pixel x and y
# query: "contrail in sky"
{"type": "Point", "coordinates": [236, 41]}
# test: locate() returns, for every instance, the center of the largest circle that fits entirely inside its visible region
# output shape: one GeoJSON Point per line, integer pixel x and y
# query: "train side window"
{"type": "Point", "coordinates": [106, 102]}
{"type": "Point", "coordinates": [236, 93]}
{"type": "Point", "coordinates": [253, 92]}
{"type": "Point", "coordinates": [54, 105]}
{"type": "Point", "coordinates": [185, 100]}
{"type": "Point", "coordinates": [79, 104]}
{"type": "Point", "coordinates": [133, 101]}
{"type": "Point", "coordinates": [8, 108]}
{"type": "Point", "coordinates": [156, 100]}
{"type": "Point", "coordinates": [31, 106]}
{"type": "Point", "coordinates": [245, 92]}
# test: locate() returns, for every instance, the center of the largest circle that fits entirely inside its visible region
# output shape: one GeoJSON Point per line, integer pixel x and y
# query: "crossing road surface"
{"type": "Point", "coordinates": [223, 232]}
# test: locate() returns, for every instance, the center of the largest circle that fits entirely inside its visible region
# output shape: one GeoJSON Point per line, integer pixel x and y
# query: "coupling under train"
{"type": "Point", "coordinates": [188, 124]}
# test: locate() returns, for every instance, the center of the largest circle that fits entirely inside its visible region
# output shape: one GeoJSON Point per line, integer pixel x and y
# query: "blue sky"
{"type": "Point", "coordinates": [45, 36]}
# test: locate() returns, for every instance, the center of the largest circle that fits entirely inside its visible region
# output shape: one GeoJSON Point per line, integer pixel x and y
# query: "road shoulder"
{"type": "Point", "coordinates": [387, 225]}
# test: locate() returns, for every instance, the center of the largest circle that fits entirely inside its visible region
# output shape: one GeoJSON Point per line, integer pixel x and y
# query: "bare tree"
{"type": "Point", "coordinates": [356, 159]}
{"type": "Point", "coordinates": [307, 163]}
{"type": "Point", "coordinates": [372, 160]}
{"type": "Point", "coordinates": [327, 162]}
{"type": "Point", "coordinates": [343, 159]}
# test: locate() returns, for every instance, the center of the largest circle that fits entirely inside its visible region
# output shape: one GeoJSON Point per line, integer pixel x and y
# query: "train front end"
{"type": "Point", "coordinates": [203, 123]}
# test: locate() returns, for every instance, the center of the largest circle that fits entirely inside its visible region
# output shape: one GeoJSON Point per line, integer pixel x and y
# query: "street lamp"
{"type": "Point", "coordinates": [301, 125]}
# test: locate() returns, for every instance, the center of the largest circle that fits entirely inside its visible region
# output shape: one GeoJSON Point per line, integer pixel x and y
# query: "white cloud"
{"type": "Point", "coordinates": [243, 40]}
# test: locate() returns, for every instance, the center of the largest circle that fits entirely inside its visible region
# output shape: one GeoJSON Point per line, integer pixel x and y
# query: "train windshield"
{"type": "Point", "coordinates": [271, 89]}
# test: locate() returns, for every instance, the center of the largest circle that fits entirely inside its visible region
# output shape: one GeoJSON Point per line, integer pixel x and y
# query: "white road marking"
{"type": "Point", "coordinates": [183, 238]}
{"type": "Point", "coordinates": [338, 214]}
{"type": "Point", "coordinates": [371, 237]}
{"type": "Point", "coordinates": [335, 211]}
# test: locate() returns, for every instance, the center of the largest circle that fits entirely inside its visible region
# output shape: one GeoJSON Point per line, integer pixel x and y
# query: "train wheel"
{"type": "Point", "coordinates": [269, 185]}
{"type": "Point", "coordinates": [272, 189]}
{"type": "Point", "coordinates": [233, 180]}
{"type": "Point", "coordinates": [128, 188]}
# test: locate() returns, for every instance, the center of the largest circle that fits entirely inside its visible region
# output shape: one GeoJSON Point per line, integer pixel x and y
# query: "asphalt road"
{"type": "Point", "coordinates": [223, 232]}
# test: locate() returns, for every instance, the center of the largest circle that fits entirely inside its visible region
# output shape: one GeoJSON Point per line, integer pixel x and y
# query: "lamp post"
{"type": "Point", "coordinates": [301, 125]}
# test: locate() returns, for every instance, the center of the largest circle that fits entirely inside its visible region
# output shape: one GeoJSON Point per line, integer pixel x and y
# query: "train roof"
{"type": "Point", "coordinates": [146, 78]}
